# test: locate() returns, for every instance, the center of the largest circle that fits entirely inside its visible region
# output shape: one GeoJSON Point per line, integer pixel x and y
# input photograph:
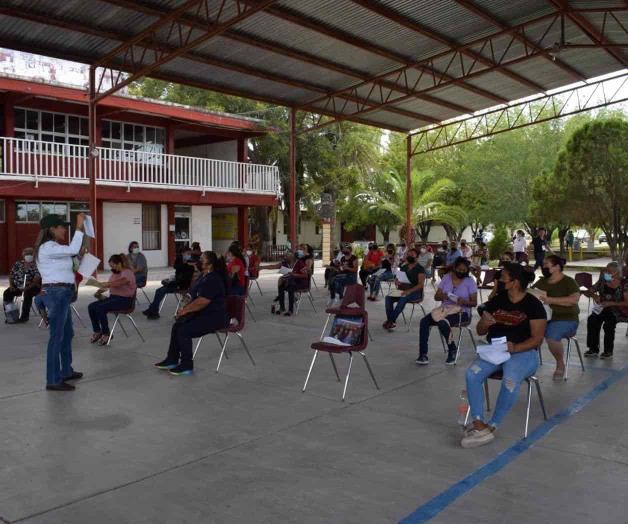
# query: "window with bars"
{"type": "Point", "coordinates": [151, 227]}
{"type": "Point", "coordinates": [47, 126]}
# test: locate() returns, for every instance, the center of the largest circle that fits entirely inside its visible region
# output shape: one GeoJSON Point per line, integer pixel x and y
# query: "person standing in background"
{"type": "Point", "coordinates": [55, 264]}
{"type": "Point", "coordinates": [541, 247]}
{"type": "Point", "coordinates": [520, 246]}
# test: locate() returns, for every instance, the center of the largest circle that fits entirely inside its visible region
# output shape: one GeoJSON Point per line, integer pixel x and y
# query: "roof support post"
{"type": "Point", "coordinates": [409, 198]}
{"type": "Point", "coordinates": [91, 157]}
{"type": "Point", "coordinates": [292, 200]}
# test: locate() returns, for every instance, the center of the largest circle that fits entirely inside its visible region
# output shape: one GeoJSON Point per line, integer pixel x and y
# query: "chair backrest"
{"type": "Point", "coordinates": [584, 279]}
{"type": "Point", "coordinates": [236, 308]}
{"type": "Point", "coordinates": [354, 294]}
{"type": "Point", "coordinates": [489, 277]}
{"type": "Point", "coordinates": [304, 286]}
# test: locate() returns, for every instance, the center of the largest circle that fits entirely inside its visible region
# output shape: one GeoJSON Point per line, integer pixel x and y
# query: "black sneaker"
{"type": "Point", "coordinates": [76, 375]}
{"type": "Point", "coordinates": [451, 357]}
{"type": "Point", "coordinates": [423, 360]}
{"type": "Point", "coordinates": [152, 316]}
{"type": "Point", "coordinates": [62, 386]}
{"type": "Point", "coordinates": [592, 353]}
{"type": "Point", "coordinates": [166, 364]}
{"type": "Point", "coordinates": [181, 370]}
{"type": "Point", "coordinates": [606, 355]}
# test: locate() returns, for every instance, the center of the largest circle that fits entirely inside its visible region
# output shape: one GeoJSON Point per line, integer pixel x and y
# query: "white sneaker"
{"type": "Point", "coordinates": [474, 438]}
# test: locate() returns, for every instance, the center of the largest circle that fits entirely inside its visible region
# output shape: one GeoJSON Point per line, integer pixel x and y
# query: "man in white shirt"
{"type": "Point", "coordinates": [520, 246]}
{"type": "Point", "coordinates": [466, 250]}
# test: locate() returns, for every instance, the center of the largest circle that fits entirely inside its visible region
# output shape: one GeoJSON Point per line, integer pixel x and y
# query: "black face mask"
{"type": "Point", "coordinates": [546, 272]}
{"type": "Point", "coordinates": [390, 251]}
{"type": "Point", "coordinates": [461, 274]}
{"type": "Point", "coordinates": [453, 249]}
{"type": "Point", "coordinates": [501, 286]}
{"type": "Point", "coordinates": [411, 259]}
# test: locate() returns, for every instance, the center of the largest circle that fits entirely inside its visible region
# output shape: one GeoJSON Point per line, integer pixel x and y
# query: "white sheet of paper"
{"type": "Point", "coordinates": [496, 352]}
{"type": "Point", "coordinates": [89, 263]}
{"type": "Point", "coordinates": [395, 293]}
{"type": "Point", "coordinates": [335, 341]}
{"type": "Point", "coordinates": [88, 226]}
{"type": "Point", "coordinates": [92, 282]}
{"type": "Point", "coordinates": [597, 309]}
{"type": "Point", "coordinates": [402, 277]}
{"type": "Point", "coordinates": [283, 270]}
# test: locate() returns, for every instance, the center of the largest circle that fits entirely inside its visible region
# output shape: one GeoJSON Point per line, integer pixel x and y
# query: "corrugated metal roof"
{"type": "Point", "coordinates": [310, 49]}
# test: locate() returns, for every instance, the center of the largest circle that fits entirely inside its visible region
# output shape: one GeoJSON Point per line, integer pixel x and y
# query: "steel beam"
{"type": "Point", "coordinates": [515, 116]}
{"type": "Point", "coordinates": [409, 196]}
{"type": "Point", "coordinates": [294, 205]}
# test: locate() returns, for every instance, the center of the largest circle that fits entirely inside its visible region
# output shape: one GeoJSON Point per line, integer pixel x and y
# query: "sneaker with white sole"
{"type": "Point", "coordinates": [422, 360]}
{"type": "Point", "coordinates": [474, 438]}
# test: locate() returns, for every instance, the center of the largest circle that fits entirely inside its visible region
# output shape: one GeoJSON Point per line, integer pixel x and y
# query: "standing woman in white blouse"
{"type": "Point", "coordinates": [55, 264]}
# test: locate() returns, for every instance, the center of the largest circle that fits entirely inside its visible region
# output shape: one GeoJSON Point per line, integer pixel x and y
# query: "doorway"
{"type": "Point", "coordinates": [182, 218]}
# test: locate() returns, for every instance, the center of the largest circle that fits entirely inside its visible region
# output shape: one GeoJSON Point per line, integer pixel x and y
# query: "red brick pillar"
{"type": "Point", "coordinates": [243, 226]}
{"type": "Point", "coordinates": [11, 252]}
{"type": "Point", "coordinates": [171, 243]}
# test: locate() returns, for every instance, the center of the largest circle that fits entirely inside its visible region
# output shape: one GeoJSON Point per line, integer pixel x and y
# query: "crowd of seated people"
{"type": "Point", "coordinates": [385, 272]}
{"type": "Point", "coordinates": [25, 282]}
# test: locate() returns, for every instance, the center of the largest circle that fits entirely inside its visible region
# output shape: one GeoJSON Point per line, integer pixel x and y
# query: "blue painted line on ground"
{"type": "Point", "coordinates": [439, 503]}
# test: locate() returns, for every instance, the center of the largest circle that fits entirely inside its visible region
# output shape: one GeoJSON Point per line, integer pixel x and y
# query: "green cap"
{"type": "Point", "coordinates": [53, 221]}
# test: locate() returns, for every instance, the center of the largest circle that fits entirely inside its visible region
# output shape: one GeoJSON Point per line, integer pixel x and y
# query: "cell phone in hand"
{"type": "Point", "coordinates": [453, 297]}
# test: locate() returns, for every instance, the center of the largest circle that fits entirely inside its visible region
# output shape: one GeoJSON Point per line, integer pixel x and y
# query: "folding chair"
{"type": "Point", "coordinates": [330, 349]}
{"type": "Point", "coordinates": [299, 292]}
{"type": "Point", "coordinates": [389, 283]}
{"type": "Point", "coordinates": [414, 304]}
{"type": "Point", "coordinates": [584, 280]}
{"type": "Point", "coordinates": [499, 375]}
{"type": "Point", "coordinates": [569, 341]}
{"type": "Point", "coordinates": [354, 294]}
{"type": "Point", "coordinates": [488, 282]}
{"type": "Point", "coordinates": [461, 326]}
{"type": "Point", "coordinates": [235, 305]}
{"type": "Point", "coordinates": [141, 288]}
{"type": "Point", "coordinates": [253, 276]}
{"type": "Point", "coordinates": [127, 313]}
{"type": "Point", "coordinates": [178, 295]}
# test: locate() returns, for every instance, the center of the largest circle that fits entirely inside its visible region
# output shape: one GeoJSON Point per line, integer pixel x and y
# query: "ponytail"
{"type": "Point", "coordinates": [43, 236]}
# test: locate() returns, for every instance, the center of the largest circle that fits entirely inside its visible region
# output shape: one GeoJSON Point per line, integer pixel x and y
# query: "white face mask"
{"type": "Point", "coordinates": [135, 250]}
{"type": "Point", "coordinates": [423, 251]}
{"type": "Point", "coordinates": [249, 252]}
{"type": "Point", "coordinates": [28, 258]}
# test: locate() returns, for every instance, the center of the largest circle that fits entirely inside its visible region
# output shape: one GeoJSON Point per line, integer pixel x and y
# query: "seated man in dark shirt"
{"type": "Point", "coordinates": [184, 268]}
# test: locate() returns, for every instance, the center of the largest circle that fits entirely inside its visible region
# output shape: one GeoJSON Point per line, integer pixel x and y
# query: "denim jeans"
{"type": "Point", "coordinates": [515, 370]}
{"type": "Point", "coordinates": [394, 310]}
{"type": "Point", "coordinates": [59, 359]}
{"type": "Point", "coordinates": [340, 281]}
{"type": "Point", "coordinates": [375, 282]}
{"type": "Point", "coordinates": [98, 311]}
{"type": "Point", "coordinates": [443, 326]}
{"type": "Point", "coordinates": [160, 294]}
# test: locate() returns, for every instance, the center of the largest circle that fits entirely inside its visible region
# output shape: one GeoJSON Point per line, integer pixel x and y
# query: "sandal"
{"type": "Point", "coordinates": [94, 338]}
{"type": "Point", "coordinates": [104, 340]}
{"type": "Point", "coordinates": [558, 375]}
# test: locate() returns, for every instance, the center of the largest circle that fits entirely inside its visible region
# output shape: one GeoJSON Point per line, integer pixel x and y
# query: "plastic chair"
{"type": "Point", "coordinates": [299, 292]}
{"type": "Point", "coordinates": [499, 375]}
{"type": "Point", "coordinates": [584, 280]}
{"type": "Point", "coordinates": [128, 314]}
{"type": "Point", "coordinates": [332, 349]}
{"type": "Point", "coordinates": [354, 294]}
{"type": "Point", "coordinates": [178, 294]}
{"type": "Point", "coordinates": [253, 276]}
{"type": "Point", "coordinates": [247, 286]}
{"type": "Point", "coordinates": [414, 304]}
{"type": "Point", "coordinates": [488, 282]}
{"type": "Point", "coordinates": [461, 326]}
{"type": "Point", "coordinates": [235, 305]}
{"type": "Point", "coordinates": [141, 288]}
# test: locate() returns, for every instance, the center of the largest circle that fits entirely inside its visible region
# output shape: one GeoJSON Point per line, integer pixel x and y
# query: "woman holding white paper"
{"type": "Point", "coordinates": [55, 263]}
{"type": "Point", "coordinates": [410, 281]}
{"type": "Point", "coordinates": [521, 318]}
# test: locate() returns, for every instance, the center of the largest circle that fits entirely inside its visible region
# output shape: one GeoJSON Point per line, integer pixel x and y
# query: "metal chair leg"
{"type": "Point", "coordinates": [458, 345]}
{"type": "Point", "coordinates": [220, 344]}
{"type": "Point", "coordinates": [163, 301]}
{"type": "Point", "coordinates": [198, 344]}
{"type": "Point", "coordinates": [538, 391]}
{"type": "Point", "coordinates": [307, 378]}
{"type": "Point", "coordinates": [77, 315]}
{"type": "Point", "coordinates": [136, 328]}
{"type": "Point", "coordinates": [309, 295]}
{"type": "Point", "coordinates": [246, 348]}
{"type": "Point", "coordinates": [525, 433]}
{"type": "Point", "coordinates": [222, 351]}
{"type": "Point", "coordinates": [325, 327]}
{"type": "Point", "coordinates": [314, 282]}
{"type": "Point", "coordinates": [333, 363]}
{"type": "Point", "coordinates": [368, 332]}
{"type": "Point", "coordinates": [579, 353]}
{"type": "Point", "coordinates": [145, 295]}
{"type": "Point", "coordinates": [115, 323]}
{"type": "Point", "coordinates": [123, 329]}
{"type": "Point", "coordinates": [540, 354]}
{"type": "Point", "coordinates": [248, 308]}
{"type": "Point", "coordinates": [249, 297]}
{"type": "Point", "coordinates": [344, 391]}
{"type": "Point", "coordinates": [259, 288]}
{"type": "Point", "coordinates": [409, 323]}
{"type": "Point", "coordinates": [368, 366]}
{"type": "Point", "coordinates": [297, 304]}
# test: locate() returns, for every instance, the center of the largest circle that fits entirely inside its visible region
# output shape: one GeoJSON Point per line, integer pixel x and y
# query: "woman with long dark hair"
{"type": "Point", "coordinates": [236, 270]}
{"type": "Point", "coordinates": [55, 263]}
{"type": "Point", "coordinates": [204, 313]}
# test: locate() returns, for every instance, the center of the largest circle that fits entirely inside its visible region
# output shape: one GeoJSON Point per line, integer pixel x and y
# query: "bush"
{"type": "Point", "coordinates": [500, 243]}
{"type": "Point", "coordinates": [358, 251]}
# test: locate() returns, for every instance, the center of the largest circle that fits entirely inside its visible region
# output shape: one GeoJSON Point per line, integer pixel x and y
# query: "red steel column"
{"type": "Point", "coordinates": [409, 226]}
{"type": "Point", "coordinates": [11, 232]}
{"type": "Point", "coordinates": [292, 199]}
{"type": "Point", "coordinates": [171, 243]}
{"type": "Point", "coordinates": [243, 226]}
{"type": "Point", "coordinates": [9, 117]}
{"type": "Point", "coordinates": [91, 160]}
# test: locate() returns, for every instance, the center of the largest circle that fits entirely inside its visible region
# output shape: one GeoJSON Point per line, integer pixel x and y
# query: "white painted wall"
{"type": "Point", "coordinates": [201, 225]}
{"type": "Point", "coordinates": [122, 224]}
{"type": "Point", "coordinates": [220, 151]}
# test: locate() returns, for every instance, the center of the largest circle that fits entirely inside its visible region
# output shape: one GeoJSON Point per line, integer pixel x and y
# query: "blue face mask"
{"type": "Point", "coordinates": [187, 258]}
{"type": "Point", "coordinates": [608, 277]}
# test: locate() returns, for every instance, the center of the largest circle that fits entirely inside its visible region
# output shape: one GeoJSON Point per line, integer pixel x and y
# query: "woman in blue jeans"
{"type": "Point", "coordinates": [55, 264]}
{"type": "Point", "coordinates": [122, 288]}
{"type": "Point", "coordinates": [408, 292]}
{"type": "Point", "coordinates": [521, 318]}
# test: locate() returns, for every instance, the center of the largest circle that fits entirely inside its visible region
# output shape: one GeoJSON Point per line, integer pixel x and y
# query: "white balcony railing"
{"type": "Point", "coordinates": [51, 162]}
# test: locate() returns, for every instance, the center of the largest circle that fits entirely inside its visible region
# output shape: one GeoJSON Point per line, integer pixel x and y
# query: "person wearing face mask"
{"type": "Point", "coordinates": [465, 250]}
{"type": "Point", "coordinates": [412, 292]}
{"type": "Point", "coordinates": [506, 258]}
{"type": "Point", "coordinates": [122, 288]}
{"type": "Point", "coordinates": [371, 263]}
{"type": "Point", "coordinates": [291, 282]}
{"type": "Point", "coordinates": [236, 269]}
{"type": "Point", "coordinates": [610, 294]}
{"type": "Point", "coordinates": [55, 263]}
{"type": "Point", "coordinates": [453, 254]}
{"type": "Point", "coordinates": [184, 268]}
{"type": "Point", "coordinates": [138, 264]}
{"type": "Point", "coordinates": [425, 260]}
{"type": "Point", "coordinates": [388, 263]}
{"type": "Point", "coordinates": [347, 273]}
{"type": "Point", "coordinates": [562, 294]}
{"type": "Point", "coordinates": [205, 313]}
{"type": "Point", "coordinates": [456, 288]}
{"type": "Point", "coordinates": [24, 281]}
{"type": "Point", "coordinates": [520, 317]}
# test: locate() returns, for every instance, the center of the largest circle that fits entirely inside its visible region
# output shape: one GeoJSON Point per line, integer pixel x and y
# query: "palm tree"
{"type": "Point", "coordinates": [387, 193]}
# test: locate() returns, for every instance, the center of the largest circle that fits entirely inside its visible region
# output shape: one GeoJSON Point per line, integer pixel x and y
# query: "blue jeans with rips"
{"type": "Point", "coordinates": [59, 358]}
{"type": "Point", "coordinates": [515, 370]}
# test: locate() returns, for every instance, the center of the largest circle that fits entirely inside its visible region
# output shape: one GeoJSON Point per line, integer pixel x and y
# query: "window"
{"type": "Point", "coordinates": [133, 137]}
{"type": "Point", "coordinates": [51, 127]}
{"type": "Point", "coordinates": [151, 227]}
{"type": "Point", "coordinates": [34, 211]}
{"type": "Point", "coordinates": [28, 211]}
{"type": "Point", "coordinates": [2, 212]}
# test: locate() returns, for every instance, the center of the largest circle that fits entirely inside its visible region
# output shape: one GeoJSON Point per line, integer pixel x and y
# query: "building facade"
{"type": "Point", "coordinates": [166, 175]}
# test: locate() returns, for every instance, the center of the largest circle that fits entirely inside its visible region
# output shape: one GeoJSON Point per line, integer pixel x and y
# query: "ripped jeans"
{"type": "Point", "coordinates": [519, 367]}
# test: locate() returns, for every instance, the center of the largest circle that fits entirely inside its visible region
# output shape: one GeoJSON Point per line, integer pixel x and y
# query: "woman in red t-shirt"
{"type": "Point", "coordinates": [236, 267]}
